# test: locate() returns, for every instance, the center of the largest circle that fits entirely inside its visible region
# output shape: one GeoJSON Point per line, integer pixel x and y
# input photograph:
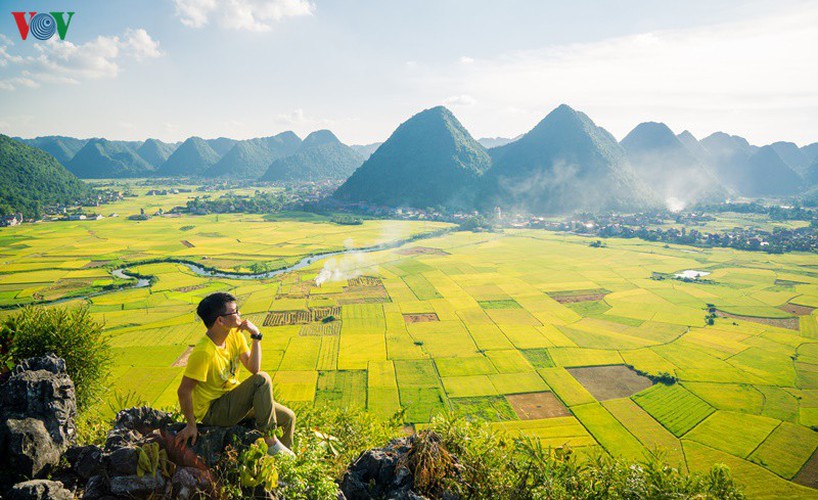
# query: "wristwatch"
{"type": "Point", "coordinates": [256, 336]}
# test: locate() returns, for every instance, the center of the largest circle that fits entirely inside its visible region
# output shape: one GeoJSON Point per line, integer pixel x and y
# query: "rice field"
{"type": "Point", "coordinates": [501, 327]}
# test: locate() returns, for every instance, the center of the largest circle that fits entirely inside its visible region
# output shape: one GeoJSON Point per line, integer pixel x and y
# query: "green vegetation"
{"type": "Point", "coordinates": [566, 144]}
{"type": "Point", "coordinates": [104, 159]}
{"type": "Point", "coordinates": [249, 159]}
{"type": "Point", "coordinates": [70, 333]}
{"type": "Point", "coordinates": [429, 160]}
{"type": "Point", "coordinates": [31, 180]}
{"type": "Point", "coordinates": [321, 156]}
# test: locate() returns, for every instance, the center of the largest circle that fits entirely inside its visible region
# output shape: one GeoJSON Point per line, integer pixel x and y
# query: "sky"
{"type": "Point", "coordinates": [171, 69]}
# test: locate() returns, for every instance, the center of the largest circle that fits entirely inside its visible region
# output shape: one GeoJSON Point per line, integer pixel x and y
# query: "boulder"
{"type": "Point", "coordinates": [37, 409]}
{"type": "Point", "coordinates": [29, 449]}
{"type": "Point", "coordinates": [189, 482]}
{"type": "Point", "coordinates": [39, 489]}
{"type": "Point", "coordinates": [134, 486]}
{"type": "Point", "coordinates": [85, 461]}
{"type": "Point", "coordinates": [375, 474]}
{"type": "Point", "coordinates": [41, 388]}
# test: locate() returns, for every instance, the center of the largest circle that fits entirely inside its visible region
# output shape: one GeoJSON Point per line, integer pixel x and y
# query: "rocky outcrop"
{"type": "Point", "coordinates": [37, 409]}
{"type": "Point", "coordinates": [40, 489]}
{"type": "Point", "coordinates": [183, 472]}
{"type": "Point", "coordinates": [388, 472]}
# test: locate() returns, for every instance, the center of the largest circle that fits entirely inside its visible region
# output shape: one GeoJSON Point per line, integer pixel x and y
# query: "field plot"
{"type": "Point", "coordinates": [608, 431]}
{"type": "Point", "coordinates": [537, 405]}
{"type": "Point", "coordinates": [648, 431]}
{"type": "Point", "coordinates": [786, 449]}
{"type": "Point", "coordinates": [491, 408]}
{"type": "Point", "coordinates": [342, 388]}
{"type": "Point", "coordinates": [566, 387]}
{"type": "Point", "coordinates": [551, 432]}
{"type": "Point", "coordinates": [610, 382]}
{"type": "Point", "coordinates": [676, 408]}
{"type": "Point", "coordinates": [757, 481]}
{"type": "Point", "coordinates": [736, 433]}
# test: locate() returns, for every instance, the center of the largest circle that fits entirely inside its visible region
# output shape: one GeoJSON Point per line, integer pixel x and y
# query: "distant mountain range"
{"type": "Point", "coordinates": [566, 162]}
{"type": "Point", "coordinates": [250, 159]}
{"type": "Point", "coordinates": [495, 142]}
{"type": "Point", "coordinates": [669, 166]}
{"type": "Point", "coordinates": [320, 157]}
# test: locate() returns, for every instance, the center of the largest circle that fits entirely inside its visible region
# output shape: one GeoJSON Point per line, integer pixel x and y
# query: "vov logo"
{"type": "Point", "coordinates": [43, 25]}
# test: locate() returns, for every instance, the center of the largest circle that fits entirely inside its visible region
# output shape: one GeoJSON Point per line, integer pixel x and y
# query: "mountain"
{"type": "Point", "coordinates": [104, 159]}
{"type": "Point", "coordinates": [767, 175]}
{"type": "Point", "coordinates": [428, 160]}
{"type": "Point", "coordinates": [564, 164]}
{"type": "Point", "coordinates": [192, 158]}
{"type": "Point", "coordinates": [221, 145]}
{"type": "Point", "coordinates": [694, 146]}
{"type": "Point", "coordinates": [320, 157]}
{"type": "Point", "coordinates": [366, 150]}
{"type": "Point", "coordinates": [60, 147]}
{"type": "Point", "coordinates": [792, 156]}
{"type": "Point", "coordinates": [728, 155]}
{"type": "Point", "coordinates": [249, 159]}
{"type": "Point", "coordinates": [494, 142]}
{"type": "Point", "coordinates": [31, 179]}
{"type": "Point", "coordinates": [155, 152]}
{"type": "Point", "coordinates": [811, 174]}
{"type": "Point", "coordinates": [661, 160]}
{"type": "Point", "coordinates": [810, 152]}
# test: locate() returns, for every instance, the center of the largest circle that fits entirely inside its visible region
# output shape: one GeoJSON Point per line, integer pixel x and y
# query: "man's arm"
{"type": "Point", "coordinates": [252, 359]}
{"type": "Point", "coordinates": [185, 393]}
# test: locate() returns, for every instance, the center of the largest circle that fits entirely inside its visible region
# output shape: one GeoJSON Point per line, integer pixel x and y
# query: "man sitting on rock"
{"type": "Point", "coordinates": [210, 389]}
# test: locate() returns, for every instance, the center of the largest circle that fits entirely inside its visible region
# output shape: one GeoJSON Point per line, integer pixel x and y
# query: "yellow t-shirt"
{"type": "Point", "coordinates": [216, 369]}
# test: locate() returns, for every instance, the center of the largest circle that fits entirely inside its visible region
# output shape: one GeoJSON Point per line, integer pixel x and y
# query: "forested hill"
{"type": "Point", "coordinates": [430, 160]}
{"type": "Point", "coordinates": [321, 156]}
{"type": "Point", "coordinates": [31, 179]}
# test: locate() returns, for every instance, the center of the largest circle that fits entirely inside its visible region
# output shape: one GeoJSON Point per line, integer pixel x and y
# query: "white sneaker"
{"type": "Point", "coordinates": [279, 448]}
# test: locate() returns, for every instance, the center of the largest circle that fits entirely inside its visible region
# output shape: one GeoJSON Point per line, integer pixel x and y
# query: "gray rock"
{"type": "Point", "coordinates": [190, 482]}
{"type": "Point", "coordinates": [40, 489]}
{"type": "Point", "coordinates": [97, 487]}
{"type": "Point", "coordinates": [37, 409]}
{"type": "Point", "coordinates": [123, 462]}
{"type": "Point", "coordinates": [135, 486]}
{"type": "Point", "coordinates": [28, 447]}
{"type": "Point", "coordinates": [85, 461]}
{"type": "Point", "coordinates": [40, 388]}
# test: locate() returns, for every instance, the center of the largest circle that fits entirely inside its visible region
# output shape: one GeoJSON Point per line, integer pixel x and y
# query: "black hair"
{"type": "Point", "coordinates": [213, 306]}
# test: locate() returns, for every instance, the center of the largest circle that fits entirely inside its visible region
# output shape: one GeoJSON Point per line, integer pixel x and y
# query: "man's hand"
{"type": "Point", "coordinates": [249, 327]}
{"type": "Point", "coordinates": [189, 432]}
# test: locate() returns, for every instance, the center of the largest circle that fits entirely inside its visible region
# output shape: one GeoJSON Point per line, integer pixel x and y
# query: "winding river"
{"type": "Point", "coordinates": [143, 281]}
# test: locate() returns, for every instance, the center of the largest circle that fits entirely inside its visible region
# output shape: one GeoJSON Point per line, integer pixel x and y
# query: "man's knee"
{"type": "Point", "coordinates": [285, 416]}
{"type": "Point", "coordinates": [262, 378]}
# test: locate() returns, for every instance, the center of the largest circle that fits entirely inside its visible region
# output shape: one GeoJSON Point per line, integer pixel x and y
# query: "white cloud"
{"type": "Point", "coordinates": [140, 44]}
{"type": "Point", "coordinates": [251, 15]}
{"type": "Point", "coordinates": [58, 61]}
{"type": "Point", "coordinates": [726, 76]}
{"type": "Point", "coordinates": [460, 100]}
{"type": "Point", "coordinates": [466, 60]}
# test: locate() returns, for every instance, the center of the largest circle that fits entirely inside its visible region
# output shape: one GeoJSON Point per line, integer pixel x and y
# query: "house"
{"type": "Point", "coordinates": [11, 220]}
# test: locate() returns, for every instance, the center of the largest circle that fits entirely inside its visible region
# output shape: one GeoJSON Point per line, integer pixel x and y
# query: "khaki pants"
{"type": "Point", "coordinates": [253, 398]}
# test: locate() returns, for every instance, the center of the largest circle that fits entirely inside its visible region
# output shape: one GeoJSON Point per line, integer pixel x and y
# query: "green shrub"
{"type": "Point", "coordinates": [495, 466]}
{"type": "Point", "coordinates": [71, 334]}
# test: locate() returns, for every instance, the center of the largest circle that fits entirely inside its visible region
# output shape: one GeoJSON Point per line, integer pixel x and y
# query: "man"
{"type": "Point", "coordinates": [210, 390]}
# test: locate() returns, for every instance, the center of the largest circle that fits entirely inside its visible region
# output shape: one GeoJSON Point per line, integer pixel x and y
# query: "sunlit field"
{"type": "Point", "coordinates": [535, 331]}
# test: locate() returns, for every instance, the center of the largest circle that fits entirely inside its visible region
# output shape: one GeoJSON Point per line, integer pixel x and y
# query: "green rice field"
{"type": "Point", "coordinates": [485, 325]}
